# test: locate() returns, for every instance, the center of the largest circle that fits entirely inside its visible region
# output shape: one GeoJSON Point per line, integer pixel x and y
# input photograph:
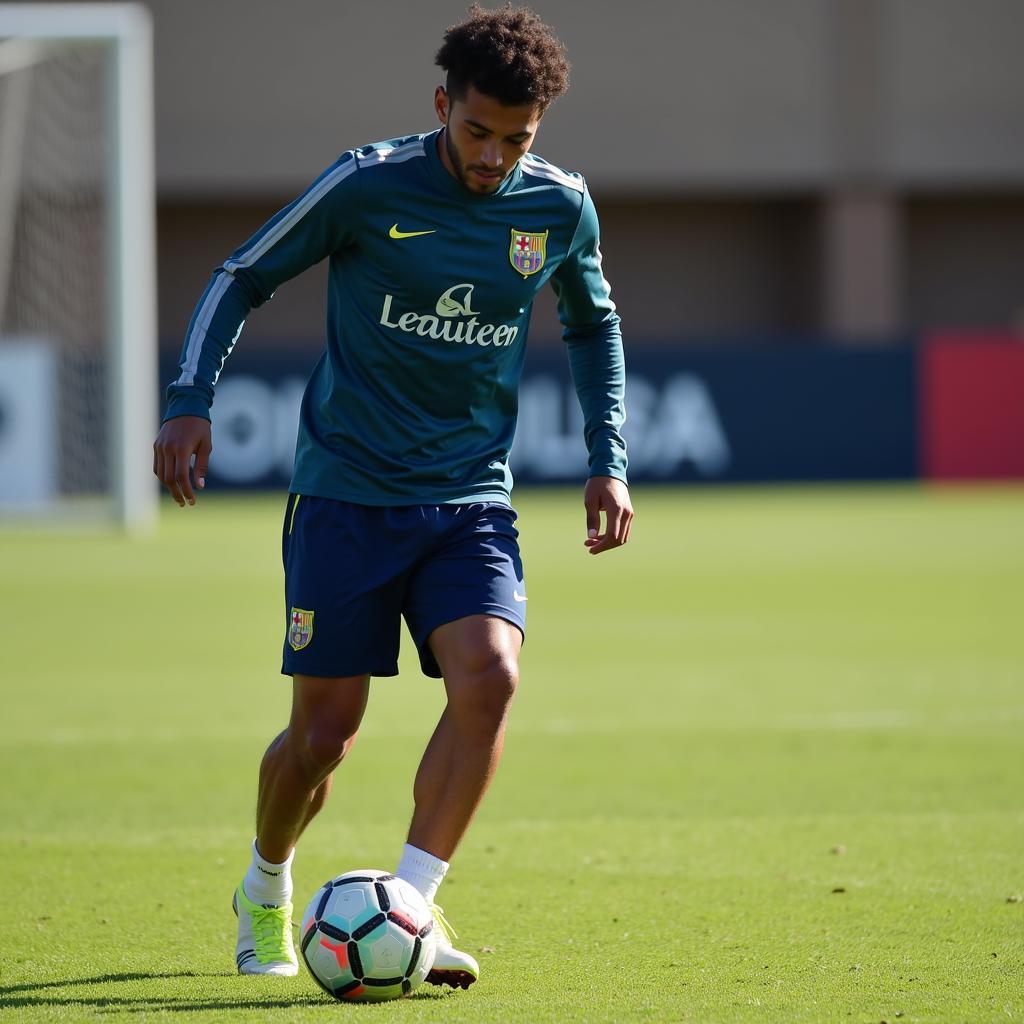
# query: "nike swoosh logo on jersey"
{"type": "Point", "coordinates": [395, 233]}
{"type": "Point", "coordinates": [519, 597]}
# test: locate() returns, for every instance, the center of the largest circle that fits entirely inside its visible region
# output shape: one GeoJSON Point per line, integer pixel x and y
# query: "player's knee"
{"type": "Point", "coordinates": [485, 692]}
{"type": "Point", "coordinates": [323, 744]}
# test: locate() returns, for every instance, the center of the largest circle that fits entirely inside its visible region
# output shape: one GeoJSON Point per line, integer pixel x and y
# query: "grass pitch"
{"type": "Point", "coordinates": [765, 766]}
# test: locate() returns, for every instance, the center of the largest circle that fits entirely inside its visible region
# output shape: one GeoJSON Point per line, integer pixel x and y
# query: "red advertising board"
{"type": "Point", "coordinates": [972, 406]}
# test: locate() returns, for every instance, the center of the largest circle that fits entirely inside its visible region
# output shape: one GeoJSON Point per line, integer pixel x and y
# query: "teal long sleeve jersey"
{"type": "Point", "coordinates": [414, 399]}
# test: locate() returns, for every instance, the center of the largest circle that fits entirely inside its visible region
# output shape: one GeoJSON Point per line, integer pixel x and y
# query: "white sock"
{"type": "Point", "coordinates": [266, 882]}
{"type": "Point", "coordinates": [422, 870]}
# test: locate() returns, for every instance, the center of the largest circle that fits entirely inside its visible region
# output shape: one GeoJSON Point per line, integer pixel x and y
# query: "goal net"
{"type": "Point", "coordinates": [77, 305]}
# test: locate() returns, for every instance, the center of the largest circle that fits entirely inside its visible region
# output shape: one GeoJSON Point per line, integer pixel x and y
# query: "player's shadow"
{"type": "Point", "coordinates": [101, 979]}
{"type": "Point", "coordinates": [41, 994]}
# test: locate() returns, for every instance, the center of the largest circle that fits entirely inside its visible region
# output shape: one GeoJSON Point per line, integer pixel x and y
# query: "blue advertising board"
{"type": "Point", "coordinates": [715, 415]}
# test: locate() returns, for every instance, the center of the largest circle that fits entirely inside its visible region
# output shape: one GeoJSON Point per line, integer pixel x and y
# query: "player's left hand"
{"type": "Point", "coordinates": [610, 496]}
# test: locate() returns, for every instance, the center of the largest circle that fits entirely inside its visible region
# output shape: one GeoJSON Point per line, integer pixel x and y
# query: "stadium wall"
{"type": "Point", "coordinates": [253, 96]}
{"type": "Point", "coordinates": [836, 167]}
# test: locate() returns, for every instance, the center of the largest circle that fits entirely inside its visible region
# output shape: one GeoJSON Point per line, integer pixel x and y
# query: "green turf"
{"type": "Point", "coordinates": [765, 765]}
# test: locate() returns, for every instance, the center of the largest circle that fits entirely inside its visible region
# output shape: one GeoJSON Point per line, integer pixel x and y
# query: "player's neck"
{"type": "Point", "coordinates": [442, 151]}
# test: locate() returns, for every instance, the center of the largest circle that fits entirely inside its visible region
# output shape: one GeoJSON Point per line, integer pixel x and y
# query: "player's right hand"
{"type": "Point", "coordinates": [179, 439]}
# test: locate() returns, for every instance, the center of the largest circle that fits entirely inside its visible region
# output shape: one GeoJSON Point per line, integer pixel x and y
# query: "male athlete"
{"type": "Point", "coordinates": [399, 503]}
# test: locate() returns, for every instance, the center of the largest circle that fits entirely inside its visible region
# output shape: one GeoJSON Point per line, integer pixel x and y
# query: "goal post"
{"type": "Point", "coordinates": [77, 259]}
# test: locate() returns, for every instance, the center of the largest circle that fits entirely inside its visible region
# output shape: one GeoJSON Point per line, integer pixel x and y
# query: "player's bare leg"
{"type": "Point", "coordinates": [295, 779]}
{"type": "Point", "coordinates": [479, 657]}
{"type": "Point", "coordinates": [295, 776]}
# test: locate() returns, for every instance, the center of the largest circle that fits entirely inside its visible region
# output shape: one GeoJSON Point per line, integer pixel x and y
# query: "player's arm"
{"type": "Point", "coordinates": [594, 343]}
{"type": "Point", "coordinates": [321, 221]}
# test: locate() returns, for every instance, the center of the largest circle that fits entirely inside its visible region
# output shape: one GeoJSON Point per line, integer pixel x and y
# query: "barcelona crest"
{"type": "Point", "coordinates": [527, 251]}
{"type": "Point", "coordinates": [300, 628]}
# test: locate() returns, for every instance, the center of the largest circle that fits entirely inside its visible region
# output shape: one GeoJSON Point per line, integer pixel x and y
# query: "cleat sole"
{"type": "Point", "coordinates": [457, 979]}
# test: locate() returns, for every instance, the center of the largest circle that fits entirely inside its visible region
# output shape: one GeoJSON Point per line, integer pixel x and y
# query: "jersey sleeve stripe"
{"type": "Point", "coordinates": [314, 195]}
{"type": "Point", "coordinates": [297, 212]}
{"type": "Point", "coordinates": [208, 309]}
{"type": "Point", "coordinates": [552, 173]}
{"type": "Point", "coordinates": [398, 155]}
{"type": "Point", "coordinates": [204, 318]}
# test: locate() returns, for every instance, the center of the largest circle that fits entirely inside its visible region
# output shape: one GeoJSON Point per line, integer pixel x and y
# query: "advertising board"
{"type": "Point", "coordinates": [701, 416]}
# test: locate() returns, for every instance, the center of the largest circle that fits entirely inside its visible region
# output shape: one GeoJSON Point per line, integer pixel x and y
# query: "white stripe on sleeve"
{"type": "Point", "coordinates": [194, 346]}
{"type": "Point", "coordinates": [208, 310]}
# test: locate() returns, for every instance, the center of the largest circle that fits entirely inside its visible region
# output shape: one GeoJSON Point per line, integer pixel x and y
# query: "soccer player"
{"type": "Point", "coordinates": [399, 503]}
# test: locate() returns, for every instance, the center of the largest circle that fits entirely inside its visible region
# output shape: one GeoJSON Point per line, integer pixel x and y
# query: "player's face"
{"type": "Point", "coordinates": [483, 139]}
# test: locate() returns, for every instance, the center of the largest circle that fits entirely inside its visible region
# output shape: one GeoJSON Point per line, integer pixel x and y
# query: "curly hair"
{"type": "Point", "coordinates": [509, 54]}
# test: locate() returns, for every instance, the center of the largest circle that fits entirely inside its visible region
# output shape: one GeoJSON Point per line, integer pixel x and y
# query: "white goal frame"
{"type": "Point", "coordinates": [127, 31]}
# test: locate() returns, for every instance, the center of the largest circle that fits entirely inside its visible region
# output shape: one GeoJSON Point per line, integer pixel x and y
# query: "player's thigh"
{"type": "Point", "coordinates": [474, 572]}
{"type": "Point", "coordinates": [344, 585]}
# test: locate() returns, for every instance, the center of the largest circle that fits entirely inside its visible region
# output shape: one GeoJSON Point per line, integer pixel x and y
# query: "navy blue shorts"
{"type": "Point", "coordinates": [352, 571]}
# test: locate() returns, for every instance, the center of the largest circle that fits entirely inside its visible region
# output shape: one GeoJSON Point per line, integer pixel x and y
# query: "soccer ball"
{"type": "Point", "coordinates": [368, 936]}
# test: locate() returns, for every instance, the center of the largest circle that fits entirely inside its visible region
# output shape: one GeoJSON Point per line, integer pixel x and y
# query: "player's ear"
{"type": "Point", "coordinates": [441, 104]}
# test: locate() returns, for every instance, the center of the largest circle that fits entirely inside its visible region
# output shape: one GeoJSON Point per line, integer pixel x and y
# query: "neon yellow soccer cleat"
{"type": "Point", "coordinates": [451, 966]}
{"type": "Point", "coordinates": [265, 943]}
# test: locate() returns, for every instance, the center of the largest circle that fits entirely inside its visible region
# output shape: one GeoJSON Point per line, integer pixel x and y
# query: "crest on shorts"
{"type": "Point", "coordinates": [300, 628]}
{"type": "Point", "coordinates": [528, 250]}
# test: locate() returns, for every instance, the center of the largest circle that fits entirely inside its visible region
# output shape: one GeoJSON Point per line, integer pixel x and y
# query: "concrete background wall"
{"type": "Point", "coordinates": [689, 95]}
{"type": "Point", "coordinates": [779, 167]}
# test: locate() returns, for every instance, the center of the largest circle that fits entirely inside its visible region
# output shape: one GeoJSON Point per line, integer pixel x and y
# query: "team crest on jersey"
{"type": "Point", "coordinates": [528, 250]}
{"type": "Point", "coordinates": [300, 628]}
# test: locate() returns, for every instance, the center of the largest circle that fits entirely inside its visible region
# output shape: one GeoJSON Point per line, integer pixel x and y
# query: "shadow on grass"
{"type": "Point", "coordinates": [42, 994]}
{"type": "Point", "coordinates": [101, 979]}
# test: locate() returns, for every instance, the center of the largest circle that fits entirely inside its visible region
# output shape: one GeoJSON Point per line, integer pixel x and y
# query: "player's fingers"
{"type": "Point", "coordinates": [174, 473]}
{"type": "Point", "coordinates": [608, 539]}
{"type": "Point", "coordinates": [165, 463]}
{"type": "Point", "coordinates": [622, 534]}
{"type": "Point", "coordinates": [614, 536]}
{"type": "Point", "coordinates": [171, 476]}
{"type": "Point", "coordinates": [629, 526]}
{"type": "Point", "coordinates": [158, 463]}
{"type": "Point", "coordinates": [593, 509]}
{"type": "Point", "coordinates": [617, 526]}
{"type": "Point", "coordinates": [202, 461]}
{"type": "Point", "coordinates": [602, 542]}
{"type": "Point", "coordinates": [182, 464]}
